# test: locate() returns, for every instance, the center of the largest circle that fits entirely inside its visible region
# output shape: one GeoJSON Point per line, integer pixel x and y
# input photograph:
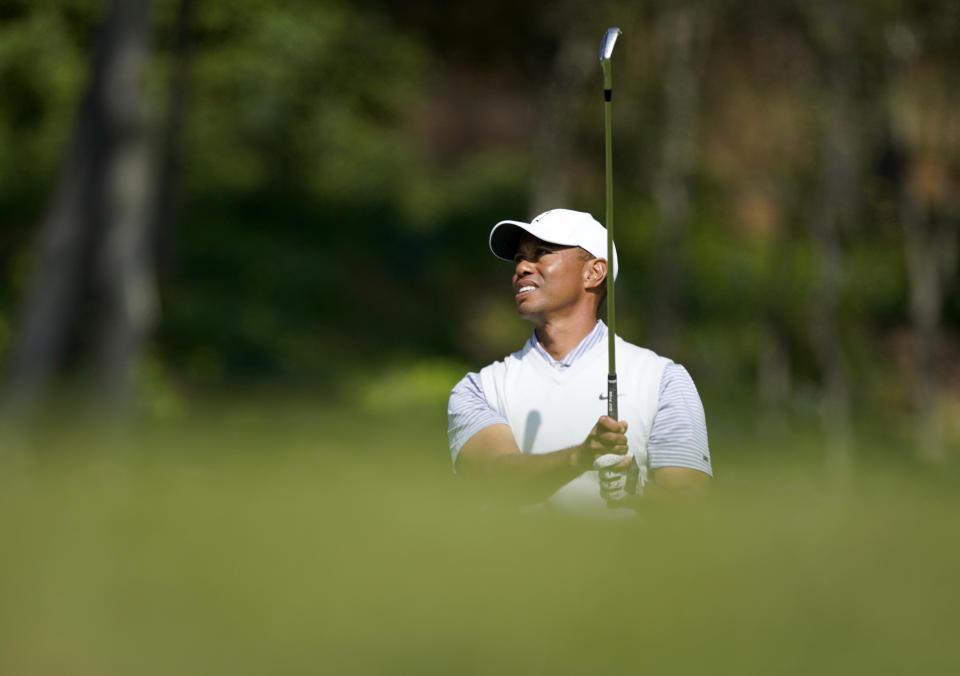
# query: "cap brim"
{"type": "Point", "coordinates": [505, 238]}
{"type": "Point", "coordinates": [506, 235]}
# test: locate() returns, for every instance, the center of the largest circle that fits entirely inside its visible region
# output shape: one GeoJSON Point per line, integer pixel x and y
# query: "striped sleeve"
{"type": "Point", "coordinates": [467, 413]}
{"type": "Point", "coordinates": [678, 435]}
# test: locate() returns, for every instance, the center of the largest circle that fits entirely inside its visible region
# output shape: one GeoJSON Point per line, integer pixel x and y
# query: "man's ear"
{"type": "Point", "coordinates": [595, 273]}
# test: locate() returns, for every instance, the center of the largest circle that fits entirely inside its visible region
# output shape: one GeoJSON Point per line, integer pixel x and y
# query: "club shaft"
{"type": "Point", "coordinates": [611, 305]}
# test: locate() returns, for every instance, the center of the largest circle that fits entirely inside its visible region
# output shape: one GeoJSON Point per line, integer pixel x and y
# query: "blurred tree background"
{"type": "Point", "coordinates": [202, 198]}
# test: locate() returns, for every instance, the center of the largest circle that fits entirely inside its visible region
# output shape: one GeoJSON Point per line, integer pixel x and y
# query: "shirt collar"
{"type": "Point", "coordinates": [595, 336]}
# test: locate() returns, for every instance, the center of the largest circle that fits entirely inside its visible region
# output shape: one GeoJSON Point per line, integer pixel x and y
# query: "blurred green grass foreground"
{"type": "Point", "coordinates": [292, 539]}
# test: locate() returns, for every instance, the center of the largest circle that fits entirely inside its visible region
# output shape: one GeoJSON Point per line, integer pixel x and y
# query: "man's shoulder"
{"type": "Point", "coordinates": [512, 358]}
{"type": "Point", "coordinates": [673, 375]}
{"type": "Point", "coordinates": [630, 350]}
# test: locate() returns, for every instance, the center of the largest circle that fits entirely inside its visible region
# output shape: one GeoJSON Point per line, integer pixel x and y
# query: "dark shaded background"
{"type": "Point", "coordinates": [200, 198]}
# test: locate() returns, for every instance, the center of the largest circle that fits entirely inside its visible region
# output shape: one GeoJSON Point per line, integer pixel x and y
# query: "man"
{"type": "Point", "coordinates": [534, 423]}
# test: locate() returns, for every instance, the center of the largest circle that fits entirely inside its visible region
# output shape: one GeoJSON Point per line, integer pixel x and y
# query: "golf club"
{"type": "Point", "coordinates": [606, 51]}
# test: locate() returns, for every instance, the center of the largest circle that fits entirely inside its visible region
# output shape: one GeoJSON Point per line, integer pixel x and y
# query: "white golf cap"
{"type": "Point", "coordinates": [557, 226]}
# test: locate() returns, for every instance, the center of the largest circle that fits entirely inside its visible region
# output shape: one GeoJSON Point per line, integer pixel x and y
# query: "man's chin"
{"type": "Point", "coordinates": [530, 314]}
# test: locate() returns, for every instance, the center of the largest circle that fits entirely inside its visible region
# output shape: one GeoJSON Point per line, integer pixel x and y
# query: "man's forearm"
{"type": "Point", "coordinates": [672, 484]}
{"type": "Point", "coordinates": [492, 455]}
{"type": "Point", "coordinates": [531, 478]}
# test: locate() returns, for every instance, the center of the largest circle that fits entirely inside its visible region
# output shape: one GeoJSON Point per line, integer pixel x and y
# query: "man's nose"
{"type": "Point", "coordinates": [524, 267]}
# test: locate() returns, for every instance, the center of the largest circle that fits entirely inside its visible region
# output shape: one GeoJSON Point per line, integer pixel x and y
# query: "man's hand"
{"type": "Point", "coordinates": [607, 436]}
{"type": "Point", "coordinates": [492, 453]}
{"type": "Point", "coordinates": [606, 447]}
{"type": "Point", "coordinates": [618, 477]}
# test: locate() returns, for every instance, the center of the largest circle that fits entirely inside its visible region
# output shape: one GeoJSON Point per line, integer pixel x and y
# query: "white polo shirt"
{"type": "Point", "coordinates": [674, 433]}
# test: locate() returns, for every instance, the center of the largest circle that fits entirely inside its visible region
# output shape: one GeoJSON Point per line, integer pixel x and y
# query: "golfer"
{"type": "Point", "coordinates": [534, 423]}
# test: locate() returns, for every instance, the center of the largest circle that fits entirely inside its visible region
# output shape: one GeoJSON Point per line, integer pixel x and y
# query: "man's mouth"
{"type": "Point", "coordinates": [524, 290]}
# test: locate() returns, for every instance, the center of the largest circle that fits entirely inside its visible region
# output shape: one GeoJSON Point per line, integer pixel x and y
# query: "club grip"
{"type": "Point", "coordinates": [612, 396]}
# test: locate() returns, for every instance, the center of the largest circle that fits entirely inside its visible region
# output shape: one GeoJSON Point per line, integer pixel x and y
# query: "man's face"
{"type": "Point", "coordinates": [549, 278]}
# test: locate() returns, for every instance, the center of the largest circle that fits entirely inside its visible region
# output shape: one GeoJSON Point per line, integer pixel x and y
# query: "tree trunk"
{"type": "Point", "coordinates": [553, 141]}
{"type": "Point", "coordinates": [680, 31]}
{"type": "Point", "coordinates": [930, 247]}
{"type": "Point", "coordinates": [824, 316]}
{"type": "Point", "coordinates": [126, 267]}
{"type": "Point", "coordinates": [929, 210]}
{"type": "Point", "coordinates": [774, 381]}
{"type": "Point", "coordinates": [833, 209]}
{"type": "Point", "coordinates": [836, 194]}
{"type": "Point", "coordinates": [95, 223]}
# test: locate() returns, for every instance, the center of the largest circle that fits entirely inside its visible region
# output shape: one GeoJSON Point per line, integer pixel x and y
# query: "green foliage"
{"type": "Point", "coordinates": [343, 161]}
{"type": "Point", "coordinates": [303, 96]}
{"type": "Point", "coordinates": [43, 68]}
{"type": "Point", "coordinates": [413, 385]}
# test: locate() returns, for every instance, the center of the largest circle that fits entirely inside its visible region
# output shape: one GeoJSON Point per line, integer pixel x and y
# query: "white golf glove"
{"type": "Point", "coordinates": [616, 485]}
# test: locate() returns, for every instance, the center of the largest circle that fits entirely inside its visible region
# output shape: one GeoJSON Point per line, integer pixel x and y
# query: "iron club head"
{"type": "Point", "coordinates": [606, 46]}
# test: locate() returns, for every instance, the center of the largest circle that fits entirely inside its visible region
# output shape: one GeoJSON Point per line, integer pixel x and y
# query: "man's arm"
{"type": "Point", "coordinates": [492, 455]}
{"type": "Point", "coordinates": [671, 483]}
{"type": "Point", "coordinates": [678, 449]}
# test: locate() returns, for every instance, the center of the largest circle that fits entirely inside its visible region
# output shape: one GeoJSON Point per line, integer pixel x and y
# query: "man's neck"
{"type": "Point", "coordinates": [558, 338]}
